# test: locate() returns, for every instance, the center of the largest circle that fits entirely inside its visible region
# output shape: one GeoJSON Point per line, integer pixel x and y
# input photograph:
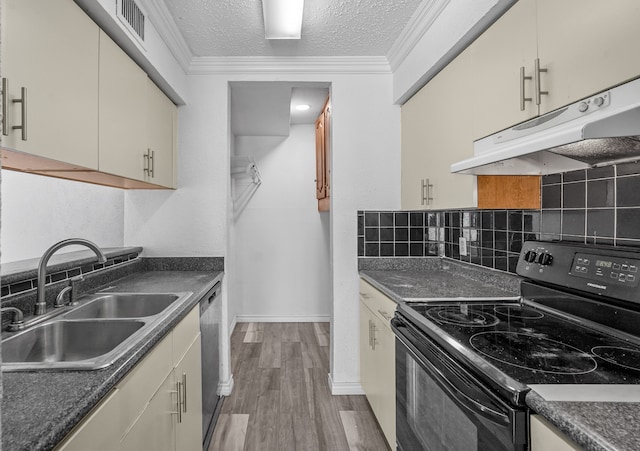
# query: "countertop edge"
{"type": "Point", "coordinates": [556, 413]}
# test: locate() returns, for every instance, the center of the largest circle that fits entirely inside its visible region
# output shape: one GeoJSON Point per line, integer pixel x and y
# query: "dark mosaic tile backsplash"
{"type": "Point", "coordinates": [593, 206]}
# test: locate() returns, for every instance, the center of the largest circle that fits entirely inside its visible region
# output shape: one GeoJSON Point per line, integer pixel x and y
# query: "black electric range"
{"type": "Point", "coordinates": [577, 322]}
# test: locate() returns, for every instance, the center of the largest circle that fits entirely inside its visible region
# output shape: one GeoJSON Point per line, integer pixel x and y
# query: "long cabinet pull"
{"type": "Point", "coordinates": [152, 158]}
{"type": "Point", "coordinates": [178, 392]}
{"type": "Point", "coordinates": [523, 99]}
{"type": "Point", "coordinates": [373, 336]}
{"type": "Point", "coordinates": [184, 392]}
{"type": "Point", "coordinates": [369, 333]}
{"type": "Point", "coordinates": [22, 100]}
{"type": "Point", "coordinates": [5, 95]}
{"type": "Point", "coordinates": [538, 89]}
{"type": "Point", "coordinates": [426, 192]}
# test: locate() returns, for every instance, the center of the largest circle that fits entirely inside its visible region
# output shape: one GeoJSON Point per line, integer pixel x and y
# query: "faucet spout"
{"type": "Point", "coordinates": [41, 305]}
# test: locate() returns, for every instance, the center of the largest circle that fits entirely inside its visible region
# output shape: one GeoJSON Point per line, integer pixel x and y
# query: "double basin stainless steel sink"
{"type": "Point", "coordinates": [91, 335]}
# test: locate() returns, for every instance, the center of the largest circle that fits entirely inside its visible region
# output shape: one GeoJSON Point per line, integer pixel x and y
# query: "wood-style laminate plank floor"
{"type": "Point", "coordinates": [281, 399]}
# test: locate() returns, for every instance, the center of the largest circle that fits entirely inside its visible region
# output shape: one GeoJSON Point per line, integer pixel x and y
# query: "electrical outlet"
{"type": "Point", "coordinates": [462, 241]}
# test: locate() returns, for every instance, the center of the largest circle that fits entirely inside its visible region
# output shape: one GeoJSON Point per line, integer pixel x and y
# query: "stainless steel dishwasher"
{"type": "Point", "coordinates": [210, 317]}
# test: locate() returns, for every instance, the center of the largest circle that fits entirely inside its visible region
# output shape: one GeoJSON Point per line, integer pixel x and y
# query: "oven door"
{"type": "Point", "coordinates": [440, 406]}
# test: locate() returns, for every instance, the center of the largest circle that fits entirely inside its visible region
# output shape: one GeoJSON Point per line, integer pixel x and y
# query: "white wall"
{"type": "Point", "coordinates": [39, 211]}
{"type": "Point", "coordinates": [365, 174]}
{"type": "Point", "coordinates": [281, 240]}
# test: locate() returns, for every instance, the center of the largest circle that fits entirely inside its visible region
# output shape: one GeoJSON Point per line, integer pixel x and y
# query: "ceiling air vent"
{"type": "Point", "coordinates": [132, 16]}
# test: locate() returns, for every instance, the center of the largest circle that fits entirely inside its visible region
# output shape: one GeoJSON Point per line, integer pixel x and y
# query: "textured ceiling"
{"type": "Point", "coordinates": [329, 28]}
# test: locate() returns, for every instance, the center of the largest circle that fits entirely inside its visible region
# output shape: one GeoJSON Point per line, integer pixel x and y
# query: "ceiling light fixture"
{"type": "Point", "coordinates": [282, 18]}
{"type": "Point", "coordinates": [303, 107]}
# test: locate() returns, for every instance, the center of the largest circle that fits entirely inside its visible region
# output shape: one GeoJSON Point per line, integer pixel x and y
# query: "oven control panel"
{"type": "Point", "coordinates": [621, 271]}
{"type": "Point", "coordinates": [601, 270]}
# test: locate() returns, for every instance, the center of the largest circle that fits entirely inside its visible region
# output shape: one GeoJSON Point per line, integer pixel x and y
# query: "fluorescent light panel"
{"type": "Point", "coordinates": [282, 18]}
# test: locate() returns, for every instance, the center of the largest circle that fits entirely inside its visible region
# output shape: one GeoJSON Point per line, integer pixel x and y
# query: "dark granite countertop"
{"type": "Point", "coordinates": [595, 426]}
{"type": "Point", "coordinates": [437, 278]}
{"type": "Point", "coordinates": [40, 408]}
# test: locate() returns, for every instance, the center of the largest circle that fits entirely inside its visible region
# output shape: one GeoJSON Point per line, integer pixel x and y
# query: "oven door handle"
{"type": "Point", "coordinates": [455, 392]}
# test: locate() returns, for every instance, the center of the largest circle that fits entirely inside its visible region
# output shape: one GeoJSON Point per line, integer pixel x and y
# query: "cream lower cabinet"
{"type": "Point", "coordinates": [158, 405]}
{"type": "Point", "coordinates": [545, 437]}
{"type": "Point", "coordinates": [377, 358]}
{"type": "Point", "coordinates": [436, 132]}
{"type": "Point", "coordinates": [50, 53]}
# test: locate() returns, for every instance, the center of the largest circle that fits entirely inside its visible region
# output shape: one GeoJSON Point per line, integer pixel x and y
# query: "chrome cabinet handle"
{"type": "Point", "coordinates": [152, 158]}
{"type": "Point", "coordinates": [537, 72]}
{"type": "Point", "coordinates": [523, 99]}
{"type": "Point", "coordinates": [22, 100]}
{"type": "Point", "coordinates": [369, 333]}
{"type": "Point", "coordinates": [149, 165]}
{"type": "Point", "coordinates": [373, 336]}
{"type": "Point", "coordinates": [5, 94]}
{"type": "Point", "coordinates": [178, 392]}
{"type": "Point", "coordinates": [427, 198]}
{"type": "Point", "coordinates": [184, 392]}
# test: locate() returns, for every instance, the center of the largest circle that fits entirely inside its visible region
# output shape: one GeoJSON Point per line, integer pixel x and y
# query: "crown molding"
{"type": "Point", "coordinates": [288, 65]}
{"type": "Point", "coordinates": [418, 25]}
{"type": "Point", "coordinates": [168, 30]}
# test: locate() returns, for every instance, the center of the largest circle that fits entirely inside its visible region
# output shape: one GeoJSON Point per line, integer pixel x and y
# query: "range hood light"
{"type": "Point", "coordinates": [282, 18]}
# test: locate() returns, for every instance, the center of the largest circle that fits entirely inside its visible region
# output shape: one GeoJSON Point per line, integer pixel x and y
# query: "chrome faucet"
{"type": "Point", "coordinates": [41, 305]}
{"type": "Point", "coordinates": [18, 319]}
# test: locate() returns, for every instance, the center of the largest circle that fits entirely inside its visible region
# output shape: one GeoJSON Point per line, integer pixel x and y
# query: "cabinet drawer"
{"type": "Point", "coordinates": [143, 381]}
{"type": "Point", "coordinates": [185, 333]}
{"type": "Point", "coordinates": [377, 302]}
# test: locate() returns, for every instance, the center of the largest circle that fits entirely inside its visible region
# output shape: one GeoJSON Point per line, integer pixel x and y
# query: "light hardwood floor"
{"type": "Point", "coordinates": [281, 399]}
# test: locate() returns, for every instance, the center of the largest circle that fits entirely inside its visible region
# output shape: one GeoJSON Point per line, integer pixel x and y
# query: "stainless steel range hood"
{"type": "Point", "coordinates": [600, 130]}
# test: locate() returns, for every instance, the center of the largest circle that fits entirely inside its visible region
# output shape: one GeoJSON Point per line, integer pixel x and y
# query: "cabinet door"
{"type": "Point", "coordinates": [544, 437]}
{"type": "Point", "coordinates": [160, 128]}
{"type": "Point", "coordinates": [436, 132]}
{"type": "Point", "coordinates": [189, 373]}
{"type": "Point", "coordinates": [385, 352]}
{"type": "Point", "coordinates": [587, 46]}
{"type": "Point", "coordinates": [50, 47]}
{"type": "Point", "coordinates": [99, 431]}
{"type": "Point", "coordinates": [122, 125]}
{"type": "Point", "coordinates": [498, 54]}
{"type": "Point", "coordinates": [367, 364]}
{"type": "Point", "coordinates": [155, 429]}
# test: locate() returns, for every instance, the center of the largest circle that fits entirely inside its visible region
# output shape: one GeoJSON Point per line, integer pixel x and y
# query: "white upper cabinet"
{"type": "Point", "coordinates": [122, 106]}
{"type": "Point", "coordinates": [544, 54]}
{"type": "Point", "coordinates": [160, 132]}
{"type": "Point", "coordinates": [436, 132]}
{"type": "Point", "coordinates": [587, 46]}
{"type": "Point", "coordinates": [50, 48]}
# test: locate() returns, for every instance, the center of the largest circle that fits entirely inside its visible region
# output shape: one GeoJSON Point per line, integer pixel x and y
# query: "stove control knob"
{"type": "Point", "coordinates": [530, 256]}
{"type": "Point", "coordinates": [545, 259]}
{"type": "Point", "coordinates": [583, 106]}
{"type": "Point", "coordinates": [598, 101]}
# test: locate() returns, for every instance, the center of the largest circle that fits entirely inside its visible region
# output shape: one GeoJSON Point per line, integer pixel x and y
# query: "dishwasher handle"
{"type": "Point", "coordinates": [207, 299]}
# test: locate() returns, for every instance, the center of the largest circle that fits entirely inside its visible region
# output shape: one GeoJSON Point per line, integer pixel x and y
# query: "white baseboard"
{"type": "Point", "coordinates": [233, 325]}
{"type": "Point", "coordinates": [282, 319]}
{"type": "Point", "coordinates": [345, 388]}
{"type": "Point", "coordinates": [225, 388]}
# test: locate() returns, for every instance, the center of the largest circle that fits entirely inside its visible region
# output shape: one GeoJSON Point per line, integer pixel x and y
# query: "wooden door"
{"type": "Point", "coordinates": [320, 158]}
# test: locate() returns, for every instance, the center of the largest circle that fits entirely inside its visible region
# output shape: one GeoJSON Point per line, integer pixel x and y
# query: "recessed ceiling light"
{"type": "Point", "coordinates": [282, 18]}
{"type": "Point", "coordinates": [303, 107]}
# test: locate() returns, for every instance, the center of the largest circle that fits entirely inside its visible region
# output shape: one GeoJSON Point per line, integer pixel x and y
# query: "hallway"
{"type": "Point", "coordinates": [281, 398]}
